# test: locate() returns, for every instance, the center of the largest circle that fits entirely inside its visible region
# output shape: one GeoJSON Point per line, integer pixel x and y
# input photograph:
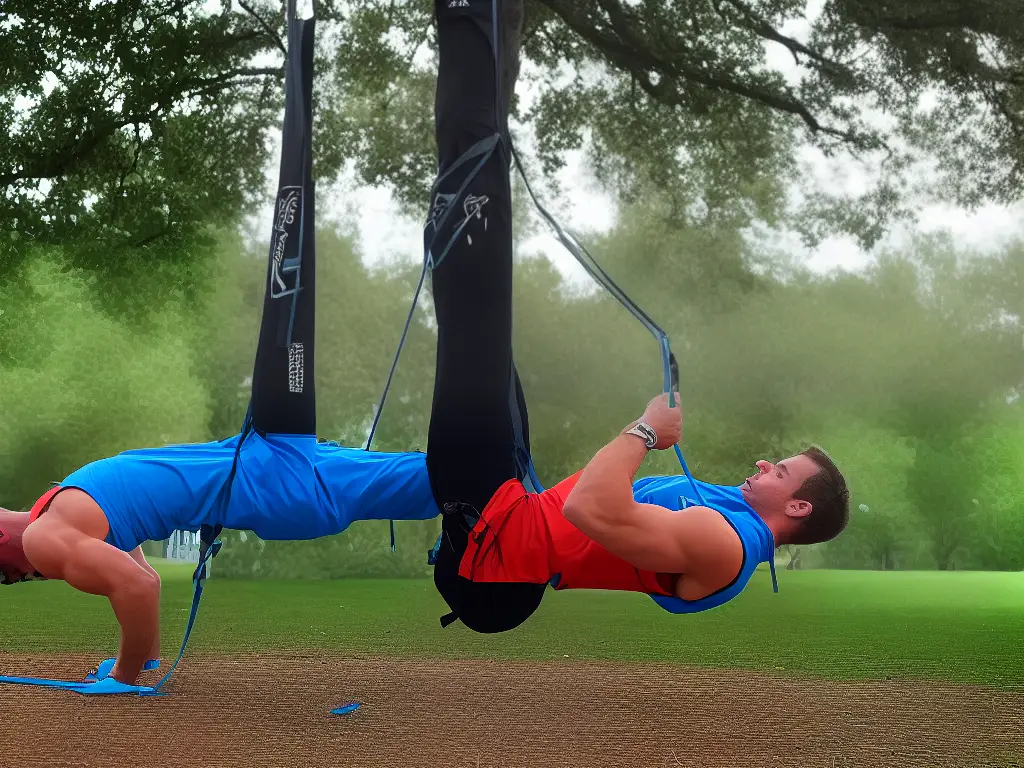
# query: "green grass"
{"type": "Point", "coordinates": [960, 627]}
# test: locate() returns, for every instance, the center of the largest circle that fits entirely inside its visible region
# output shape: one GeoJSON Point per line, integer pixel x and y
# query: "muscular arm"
{"type": "Point", "coordinates": [140, 558]}
{"type": "Point", "coordinates": [59, 550]}
{"type": "Point", "coordinates": [697, 542]}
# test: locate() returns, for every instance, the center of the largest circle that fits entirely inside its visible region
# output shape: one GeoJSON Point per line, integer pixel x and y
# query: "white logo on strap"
{"type": "Point", "coordinates": [296, 367]}
{"type": "Point", "coordinates": [473, 206]}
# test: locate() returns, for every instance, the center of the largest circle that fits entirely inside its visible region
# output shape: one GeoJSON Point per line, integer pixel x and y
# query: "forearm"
{"type": "Point", "coordinates": [603, 496]}
{"type": "Point", "coordinates": [137, 609]}
{"type": "Point", "coordinates": [154, 648]}
{"type": "Point", "coordinates": [140, 558]}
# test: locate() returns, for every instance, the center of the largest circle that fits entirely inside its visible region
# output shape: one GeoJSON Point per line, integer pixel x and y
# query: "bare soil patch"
{"type": "Point", "coordinates": [273, 711]}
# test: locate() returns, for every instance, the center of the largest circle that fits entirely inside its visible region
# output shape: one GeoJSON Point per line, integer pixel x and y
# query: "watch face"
{"type": "Point", "coordinates": [647, 433]}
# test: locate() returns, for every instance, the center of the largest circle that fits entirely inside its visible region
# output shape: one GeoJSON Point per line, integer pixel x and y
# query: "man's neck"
{"type": "Point", "coordinates": [779, 528]}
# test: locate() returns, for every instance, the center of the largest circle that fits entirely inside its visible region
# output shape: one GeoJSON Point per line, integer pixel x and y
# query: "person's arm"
{"type": "Point", "coordinates": [647, 536]}
{"type": "Point", "coordinates": [60, 551]}
{"type": "Point", "coordinates": [697, 542]}
{"type": "Point", "coordinates": [602, 506]}
{"type": "Point", "coordinates": [139, 557]}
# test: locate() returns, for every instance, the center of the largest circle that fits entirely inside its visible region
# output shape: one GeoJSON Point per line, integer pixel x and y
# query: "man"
{"type": "Point", "coordinates": [273, 478]}
{"type": "Point", "coordinates": [501, 545]}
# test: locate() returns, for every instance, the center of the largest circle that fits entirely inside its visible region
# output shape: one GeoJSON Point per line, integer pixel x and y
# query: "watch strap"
{"type": "Point", "coordinates": [644, 431]}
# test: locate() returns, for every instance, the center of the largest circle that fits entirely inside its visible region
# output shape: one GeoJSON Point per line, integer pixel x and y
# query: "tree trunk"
{"type": "Point", "coordinates": [794, 558]}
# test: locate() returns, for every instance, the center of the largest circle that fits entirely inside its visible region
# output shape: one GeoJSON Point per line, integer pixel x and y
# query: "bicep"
{"type": "Point", "coordinates": [648, 538]}
{"type": "Point", "coordinates": [654, 538]}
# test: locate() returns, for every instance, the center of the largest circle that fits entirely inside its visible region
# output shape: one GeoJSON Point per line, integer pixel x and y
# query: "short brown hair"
{"type": "Point", "coordinates": [829, 497]}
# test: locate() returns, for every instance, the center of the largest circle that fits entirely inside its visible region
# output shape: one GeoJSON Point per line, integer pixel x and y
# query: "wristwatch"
{"type": "Point", "coordinates": [643, 430]}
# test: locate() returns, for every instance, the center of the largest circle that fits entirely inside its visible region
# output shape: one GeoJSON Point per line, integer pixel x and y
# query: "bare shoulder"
{"type": "Point", "coordinates": [715, 553]}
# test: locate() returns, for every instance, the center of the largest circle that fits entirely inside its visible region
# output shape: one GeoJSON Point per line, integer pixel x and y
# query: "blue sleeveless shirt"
{"type": "Point", "coordinates": [282, 487]}
{"type": "Point", "coordinates": [676, 492]}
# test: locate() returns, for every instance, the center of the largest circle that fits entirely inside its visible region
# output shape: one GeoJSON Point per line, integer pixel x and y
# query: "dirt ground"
{"type": "Point", "coordinates": [274, 711]}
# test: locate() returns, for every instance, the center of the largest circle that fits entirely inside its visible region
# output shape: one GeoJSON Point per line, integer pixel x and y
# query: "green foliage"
{"type": "Point", "coordinates": [131, 126]}
{"type": "Point", "coordinates": [77, 384]}
{"type": "Point", "coordinates": [886, 531]}
{"type": "Point", "coordinates": [130, 123]}
{"type": "Point", "coordinates": [684, 98]}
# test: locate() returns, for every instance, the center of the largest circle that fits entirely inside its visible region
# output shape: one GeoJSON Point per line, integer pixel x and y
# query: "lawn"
{"type": "Point", "coordinates": [960, 627]}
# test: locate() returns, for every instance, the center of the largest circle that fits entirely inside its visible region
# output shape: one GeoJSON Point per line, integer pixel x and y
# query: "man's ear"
{"type": "Point", "coordinates": [798, 508]}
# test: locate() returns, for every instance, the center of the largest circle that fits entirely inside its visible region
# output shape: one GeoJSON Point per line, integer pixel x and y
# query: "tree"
{"type": "Point", "coordinates": [677, 95]}
{"type": "Point", "coordinates": [996, 530]}
{"type": "Point", "coordinates": [77, 385]}
{"type": "Point", "coordinates": [130, 121]}
{"type": "Point", "coordinates": [131, 124]}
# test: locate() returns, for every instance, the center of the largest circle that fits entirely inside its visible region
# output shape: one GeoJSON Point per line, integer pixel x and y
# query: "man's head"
{"type": "Point", "coordinates": [14, 566]}
{"type": "Point", "coordinates": [804, 499]}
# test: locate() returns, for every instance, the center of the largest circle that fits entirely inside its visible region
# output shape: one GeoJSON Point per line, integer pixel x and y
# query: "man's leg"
{"type": "Point", "coordinates": [283, 395]}
{"type": "Point", "coordinates": [471, 441]}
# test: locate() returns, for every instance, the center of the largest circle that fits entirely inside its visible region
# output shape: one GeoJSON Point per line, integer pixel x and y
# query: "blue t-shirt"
{"type": "Point", "coordinates": [677, 492]}
{"type": "Point", "coordinates": [283, 487]}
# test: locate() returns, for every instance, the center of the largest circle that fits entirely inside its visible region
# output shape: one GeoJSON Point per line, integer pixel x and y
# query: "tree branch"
{"type": "Point", "coordinates": [129, 170]}
{"type": "Point", "coordinates": [632, 54]}
{"type": "Point", "coordinates": [267, 28]}
{"type": "Point", "coordinates": [151, 238]}
{"type": "Point", "coordinates": [225, 77]}
{"type": "Point", "coordinates": [63, 159]}
{"type": "Point", "coordinates": [758, 25]}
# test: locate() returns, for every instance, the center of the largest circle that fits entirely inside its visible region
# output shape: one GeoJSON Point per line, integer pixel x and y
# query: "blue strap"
{"type": "Point", "coordinates": [209, 546]}
{"type": "Point", "coordinates": [524, 461]}
{"type": "Point", "coordinates": [106, 687]}
{"type": "Point", "coordinates": [391, 374]}
{"type": "Point", "coordinates": [669, 365]}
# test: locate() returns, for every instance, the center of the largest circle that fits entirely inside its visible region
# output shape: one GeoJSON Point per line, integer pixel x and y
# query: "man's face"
{"type": "Point", "coordinates": [771, 489]}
